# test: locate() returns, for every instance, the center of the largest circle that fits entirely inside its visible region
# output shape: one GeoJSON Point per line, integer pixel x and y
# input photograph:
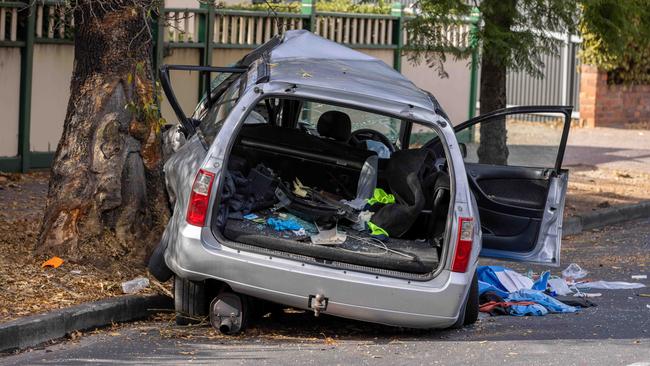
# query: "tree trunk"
{"type": "Point", "coordinates": [492, 148]}
{"type": "Point", "coordinates": [106, 195]}
{"type": "Point", "coordinates": [497, 19]}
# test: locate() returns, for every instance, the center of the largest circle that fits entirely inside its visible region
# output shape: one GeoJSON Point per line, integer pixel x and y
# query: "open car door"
{"type": "Point", "coordinates": [513, 159]}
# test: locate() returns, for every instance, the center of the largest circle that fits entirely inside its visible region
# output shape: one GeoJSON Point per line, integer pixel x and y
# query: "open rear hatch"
{"type": "Point", "coordinates": [311, 192]}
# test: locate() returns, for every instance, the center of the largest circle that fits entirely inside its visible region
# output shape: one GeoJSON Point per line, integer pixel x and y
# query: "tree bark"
{"type": "Point", "coordinates": [492, 147]}
{"type": "Point", "coordinates": [106, 195]}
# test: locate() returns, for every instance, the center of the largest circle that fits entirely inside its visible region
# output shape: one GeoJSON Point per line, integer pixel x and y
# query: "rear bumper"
{"type": "Point", "coordinates": [355, 295]}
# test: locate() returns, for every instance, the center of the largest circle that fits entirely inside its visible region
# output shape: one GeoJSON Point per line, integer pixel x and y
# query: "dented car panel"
{"type": "Point", "coordinates": [347, 78]}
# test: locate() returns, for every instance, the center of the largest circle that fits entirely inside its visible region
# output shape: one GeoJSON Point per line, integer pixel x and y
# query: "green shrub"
{"type": "Point", "coordinates": [616, 38]}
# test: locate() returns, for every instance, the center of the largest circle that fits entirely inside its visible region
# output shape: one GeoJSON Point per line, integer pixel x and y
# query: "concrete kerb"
{"type": "Point", "coordinates": [608, 216]}
{"type": "Point", "coordinates": [34, 330]}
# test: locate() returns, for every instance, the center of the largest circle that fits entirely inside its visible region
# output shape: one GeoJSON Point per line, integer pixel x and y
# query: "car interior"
{"type": "Point", "coordinates": [338, 185]}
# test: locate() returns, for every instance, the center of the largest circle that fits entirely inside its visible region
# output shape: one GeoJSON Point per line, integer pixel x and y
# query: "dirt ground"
{"type": "Point", "coordinates": [592, 188]}
{"type": "Point", "coordinates": [26, 288]}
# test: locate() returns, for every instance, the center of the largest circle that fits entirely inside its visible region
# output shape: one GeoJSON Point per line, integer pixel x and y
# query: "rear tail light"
{"type": "Point", "coordinates": [463, 244]}
{"type": "Point", "coordinates": [199, 199]}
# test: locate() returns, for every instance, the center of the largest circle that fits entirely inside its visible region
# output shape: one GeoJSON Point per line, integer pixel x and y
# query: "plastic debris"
{"type": "Point", "coordinates": [54, 262]}
{"type": "Point", "coordinates": [135, 285]}
{"type": "Point", "coordinates": [573, 271]}
{"type": "Point", "coordinates": [362, 222]}
{"type": "Point", "coordinates": [609, 285]}
{"type": "Point", "coordinates": [300, 232]}
{"type": "Point", "coordinates": [300, 189]}
{"type": "Point", "coordinates": [639, 277]}
{"type": "Point", "coordinates": [75, 272]}
{"type": "Point", "coordinates": [329, 237]}
{"type": "Point", "coordinates": [280, 224]}
{"type": "Point", "coordinates": [588, 294]}
{"type": "Point", "coordinates": [357, 203]}
{"type": "Point", "coordinates": [559, 286]}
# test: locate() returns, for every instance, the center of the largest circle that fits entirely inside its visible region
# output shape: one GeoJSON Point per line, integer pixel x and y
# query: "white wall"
{"type": "Point", "coordinates": [9, 100]}
{"type": "Point", "coordinates": [451, 92]}
{"type": "Point", "coordinates": [50, 93]}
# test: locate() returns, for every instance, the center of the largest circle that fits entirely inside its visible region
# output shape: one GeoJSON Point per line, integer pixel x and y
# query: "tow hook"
{"type": "Point", "coordinates": [318, 303]}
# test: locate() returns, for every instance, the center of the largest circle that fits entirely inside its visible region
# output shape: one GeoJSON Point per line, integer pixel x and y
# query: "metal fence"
{"type": "Point", "coordinates": [559, 84]}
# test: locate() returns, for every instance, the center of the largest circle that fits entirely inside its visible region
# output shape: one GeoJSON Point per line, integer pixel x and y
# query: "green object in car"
{"type": "Point", "coordinates": [376, 230]}
{"type": "Point", "coordinates": [380, 196]}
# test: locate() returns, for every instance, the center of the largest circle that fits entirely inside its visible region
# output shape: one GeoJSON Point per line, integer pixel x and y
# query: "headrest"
{"type": "Point", "coordinates": [336, 125]}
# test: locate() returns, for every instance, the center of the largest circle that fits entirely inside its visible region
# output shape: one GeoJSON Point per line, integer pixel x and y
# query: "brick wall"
{"type": "Point", "coordinates": [611, 105]}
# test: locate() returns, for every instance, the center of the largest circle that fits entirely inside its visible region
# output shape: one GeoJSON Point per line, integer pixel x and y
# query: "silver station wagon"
{"type": "Point", "coordinates": [317, 177]}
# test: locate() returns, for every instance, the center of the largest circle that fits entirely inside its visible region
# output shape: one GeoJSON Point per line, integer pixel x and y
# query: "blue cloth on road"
{"type": "Point", "coordinates": [551, 304]}
{"type": "Point", "coordinates": [542, 281]}
{"type": "Point", "coordinates": [280, 224]}
{"type": "Point", "coordinates": [525, 310]}
{"type": "Point", "coordinates": [485, 287]}
{"type": "Point", "coordinates": [491, 278]}
{"type": "Point", "coordinates": [514, 287]}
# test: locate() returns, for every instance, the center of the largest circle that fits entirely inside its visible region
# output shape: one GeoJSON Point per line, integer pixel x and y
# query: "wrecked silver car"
{"type": "Point", "coordinates": [317, 177]}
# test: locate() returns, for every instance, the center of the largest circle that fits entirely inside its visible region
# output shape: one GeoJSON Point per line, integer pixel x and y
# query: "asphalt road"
{"type": "Point", "coordinates": [614, 333]}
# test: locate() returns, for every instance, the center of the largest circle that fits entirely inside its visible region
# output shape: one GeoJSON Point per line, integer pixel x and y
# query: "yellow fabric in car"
{"type": "Point", "coordinates": [376, 230]}
{"type": "Point", "coordinates": [380, 196]}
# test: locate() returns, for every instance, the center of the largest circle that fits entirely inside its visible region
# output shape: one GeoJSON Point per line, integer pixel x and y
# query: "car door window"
{"type": "Point", "coordinates": [531, 140]}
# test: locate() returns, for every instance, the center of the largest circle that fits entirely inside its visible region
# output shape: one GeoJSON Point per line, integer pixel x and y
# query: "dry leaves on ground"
{"type": "Point", "coordinates": [25, 287]}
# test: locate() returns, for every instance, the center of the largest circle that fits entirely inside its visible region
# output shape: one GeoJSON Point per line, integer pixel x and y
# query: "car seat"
{"type": "Point", "coordinates": [335, 125]}
{"type": "Point", "coordinates": [407, 173]}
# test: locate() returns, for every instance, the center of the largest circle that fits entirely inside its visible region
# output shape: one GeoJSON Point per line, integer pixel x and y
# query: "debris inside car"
{"type": "Point", "coordinates": [303, 159]}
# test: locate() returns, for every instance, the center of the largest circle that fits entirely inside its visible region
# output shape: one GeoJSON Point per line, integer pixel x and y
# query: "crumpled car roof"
{"type": "Point", "coordinates": [305, 58]}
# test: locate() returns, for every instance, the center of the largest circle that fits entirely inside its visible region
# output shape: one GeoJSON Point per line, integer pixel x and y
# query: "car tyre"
{"type": "Point", "coordinates": [189, 301]}
{"type": "Point", "coordinates": [472, 305]}
{"type": "Point", "coordinates": [469, 312]}
{"type": "Point", "coordinates": [157, 266]}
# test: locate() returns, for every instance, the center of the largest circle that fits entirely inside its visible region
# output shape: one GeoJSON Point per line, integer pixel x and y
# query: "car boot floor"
{"type": "Point", "coordinates": [359, 248]}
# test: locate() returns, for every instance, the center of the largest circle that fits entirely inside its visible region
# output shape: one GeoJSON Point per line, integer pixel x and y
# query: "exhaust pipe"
{"type": "Point", "coordinates": [228, 313]}
{"type": "Point", "coordinates": [225, 326]}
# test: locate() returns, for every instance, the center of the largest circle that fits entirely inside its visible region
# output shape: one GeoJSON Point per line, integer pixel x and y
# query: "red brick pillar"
{"type": "Point", "coordinates": [588, 95]}
{"type": "Point", "coordinates": [600, 103]}
{"type": "Point", "coordinates": [603, 105]}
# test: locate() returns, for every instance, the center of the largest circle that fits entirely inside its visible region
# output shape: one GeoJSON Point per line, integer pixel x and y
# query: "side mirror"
{"type": "Point", "coordinates": [463, 149]}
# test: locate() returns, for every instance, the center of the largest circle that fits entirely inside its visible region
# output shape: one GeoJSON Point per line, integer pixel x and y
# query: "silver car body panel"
{"type": "Point", "coordinates": [197, 253]}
